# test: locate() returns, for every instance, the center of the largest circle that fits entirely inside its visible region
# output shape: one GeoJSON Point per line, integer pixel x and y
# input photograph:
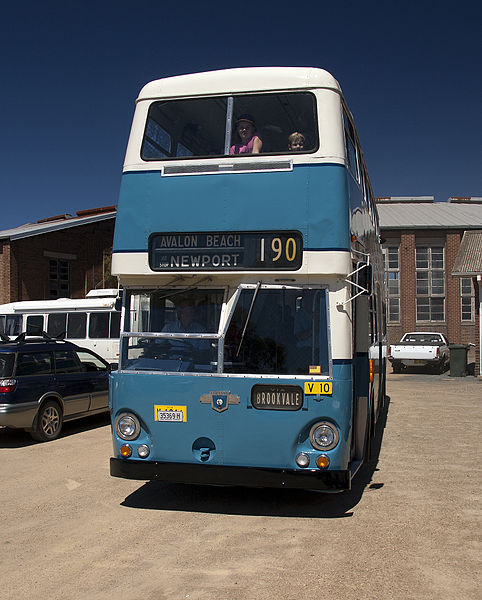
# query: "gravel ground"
{"type": "Point", "coordinates": [409, 528]}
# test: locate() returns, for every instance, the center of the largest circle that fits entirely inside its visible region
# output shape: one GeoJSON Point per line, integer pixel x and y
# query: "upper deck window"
{"type": "Point", "coordinates": [228, 126]}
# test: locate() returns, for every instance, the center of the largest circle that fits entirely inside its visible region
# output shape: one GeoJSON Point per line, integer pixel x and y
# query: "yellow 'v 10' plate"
{"type": "Point", "coordinates": [319, 387]}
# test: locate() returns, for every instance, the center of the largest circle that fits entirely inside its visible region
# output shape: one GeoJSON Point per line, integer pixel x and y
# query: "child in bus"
{"type": "Point", "coordinates": [249, 141]}
{"type": "Point", "coordinates": [296, 142]}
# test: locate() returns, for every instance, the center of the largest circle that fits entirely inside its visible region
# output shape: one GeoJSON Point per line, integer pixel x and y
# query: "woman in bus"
{"type": "Point", "coordinates": [249, 142]}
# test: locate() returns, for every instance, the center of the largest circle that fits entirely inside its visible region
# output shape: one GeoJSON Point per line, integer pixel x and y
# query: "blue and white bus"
{"type": "Point", "coordinates": [92, 322]}
{"type": "Point", "coordinates": [253, 319]}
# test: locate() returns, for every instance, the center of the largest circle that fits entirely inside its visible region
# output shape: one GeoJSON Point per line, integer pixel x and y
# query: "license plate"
{"type": "Point", "coordinates": [170, 414]}
{"type": "Point", "coordinates": [414, 362]}
{"type": "Point", "coordinates": [319, 387]}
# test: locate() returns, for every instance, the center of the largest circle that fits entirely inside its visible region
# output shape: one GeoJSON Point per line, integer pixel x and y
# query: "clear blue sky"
{"type": "Point", "coordinates": [71, 70]}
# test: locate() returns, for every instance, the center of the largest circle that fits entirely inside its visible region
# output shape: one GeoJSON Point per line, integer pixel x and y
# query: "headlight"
{"type": "Point", "coordinates": [143, 451]}
{"type": "Point", "coordinates": [127, 427]}
{"type": "Point", "coordinates": [324, 436]}
{"type": "Point", "coordinates": [302, 460]}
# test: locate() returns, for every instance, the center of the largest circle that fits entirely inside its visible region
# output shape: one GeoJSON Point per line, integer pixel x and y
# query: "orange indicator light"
{"type": "Point", "coordinates": [126, 450]}
{"type": "Point", "coordinates": [372, 371]}
{"type": "Point", "coordinates": [323, 462]}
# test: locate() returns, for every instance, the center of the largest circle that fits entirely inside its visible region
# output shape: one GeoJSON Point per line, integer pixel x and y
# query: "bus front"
{"type": "Point", "coordinates": [235, 357]}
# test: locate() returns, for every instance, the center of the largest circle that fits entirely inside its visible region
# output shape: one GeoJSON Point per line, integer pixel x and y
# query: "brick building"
{"type": "Point", "coordinates": [61, 256]}
{"type": "Point", "coordinates": [421, 242]}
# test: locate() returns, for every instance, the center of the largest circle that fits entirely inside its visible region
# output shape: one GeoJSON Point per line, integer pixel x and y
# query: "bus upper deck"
{"type": "Point", "coordinates": [180, 176]}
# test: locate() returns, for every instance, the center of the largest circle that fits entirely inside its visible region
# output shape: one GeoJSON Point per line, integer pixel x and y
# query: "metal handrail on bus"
{"type": "Point", "coordinates": [363, 290]}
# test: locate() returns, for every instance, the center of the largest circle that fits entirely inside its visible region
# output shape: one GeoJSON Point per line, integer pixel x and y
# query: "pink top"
{"type": "Point", "coordinates": [246, 148]}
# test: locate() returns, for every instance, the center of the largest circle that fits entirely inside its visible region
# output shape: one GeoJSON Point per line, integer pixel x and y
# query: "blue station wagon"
{"type": "Point", "coordinates": [45, 382]}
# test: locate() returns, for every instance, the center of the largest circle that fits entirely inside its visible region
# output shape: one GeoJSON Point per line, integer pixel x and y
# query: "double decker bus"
{"type": "Point", "coordinates": [253, 319]}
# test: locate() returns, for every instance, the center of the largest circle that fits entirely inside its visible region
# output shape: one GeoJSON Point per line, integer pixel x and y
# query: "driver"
{"type": "Point", "coordinates": [185, 323]}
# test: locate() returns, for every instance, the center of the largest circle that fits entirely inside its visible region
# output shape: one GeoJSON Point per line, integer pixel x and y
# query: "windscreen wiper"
{"type": "Point", "coordinates": [258, 285]}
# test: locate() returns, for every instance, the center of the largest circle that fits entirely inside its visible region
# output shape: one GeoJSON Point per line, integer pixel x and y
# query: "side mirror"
{"type": "Point", "coordinates": [113, 367]}
{"type": "Point", "coordinates": [364, 277]}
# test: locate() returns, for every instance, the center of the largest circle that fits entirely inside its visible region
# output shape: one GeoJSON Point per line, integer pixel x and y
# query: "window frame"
{"type": "Point", "coordinates": [59, 271]}
{"type": "Point", "coordinates": [430, 302]}
{"type": "Point", "coordinates": [229, 127]}
{"type": "Point", "coordinates": [231, 297]}
{"type": "Point", "coordinates": [469, 298]}
{"type": "Point", "coordinates": [392, 298]}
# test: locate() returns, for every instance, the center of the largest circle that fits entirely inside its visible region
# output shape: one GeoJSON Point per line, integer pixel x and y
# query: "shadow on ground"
{"type": "Point", "coordinates": [18, 438]}
{"type": "Point", "coordinates": [267, 501]}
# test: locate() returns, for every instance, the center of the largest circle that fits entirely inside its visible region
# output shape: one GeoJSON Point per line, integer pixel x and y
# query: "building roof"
{"type": "Point", "coordinates": [426, 214]}
{"type": "Point", "coordinates": [84, 217]}
{"type": "Point", "coordinates": [469, 257]}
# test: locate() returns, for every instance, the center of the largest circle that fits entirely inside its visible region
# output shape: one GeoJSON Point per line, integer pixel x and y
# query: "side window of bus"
{"type": "Point", "coordinates": [13, 324]}
{"type": "Point", "coordinates": [114, 325]}
{"type": "Point", "coordinates": [350, 144]}
{"type": "Point", "coordinates": [99, 325]}
{"type": "Point", "coordinates": [76, 325]}
{"type": "Point", "coordinates": [2, 323]}
{"type": "Point", "coordinates": [57, 324]}
{"type": "Point", "coordinates": [35, 324]}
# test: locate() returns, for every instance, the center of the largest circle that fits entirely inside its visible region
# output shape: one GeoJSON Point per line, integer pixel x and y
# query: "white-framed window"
{"type": "Point", "coordinates": [392, 274]}
{"type": "Point", "coordinates": [467, 299]}
{"type": "Point", "coordinates": [430, 283]}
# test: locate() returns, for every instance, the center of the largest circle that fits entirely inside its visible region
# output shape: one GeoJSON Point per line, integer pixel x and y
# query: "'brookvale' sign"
{"type": "Point", "coordinates": [226, 251]}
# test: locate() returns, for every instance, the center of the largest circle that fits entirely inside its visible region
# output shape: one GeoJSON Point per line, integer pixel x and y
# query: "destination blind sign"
{"type": "Point", "coordinates": [226, 251]}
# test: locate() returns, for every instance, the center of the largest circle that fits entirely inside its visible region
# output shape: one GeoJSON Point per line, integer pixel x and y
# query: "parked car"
{"type": "Point", "coordinates": [45, 382]}
{"type": "Point", "coordinates": [420, 348]}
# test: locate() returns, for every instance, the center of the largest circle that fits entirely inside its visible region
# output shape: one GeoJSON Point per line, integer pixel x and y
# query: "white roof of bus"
{"type": "Point", "coordinates": [248, 79]}
{"type": "Point", "coordinates": [66, 304]}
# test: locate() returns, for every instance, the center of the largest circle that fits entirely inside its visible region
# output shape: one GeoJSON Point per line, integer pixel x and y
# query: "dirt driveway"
{"type": "Point", "coordinates": [410, 528]}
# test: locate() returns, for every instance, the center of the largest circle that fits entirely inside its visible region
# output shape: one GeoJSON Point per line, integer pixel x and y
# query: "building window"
{"type": "Point", "coordinates": [59, 279]}
{"type": "Point", "coordinates": [430, 277]}
{"type": "Point", "coordinates": [392, 274]}
{"type": "Point", "coordinates": [467, 299]}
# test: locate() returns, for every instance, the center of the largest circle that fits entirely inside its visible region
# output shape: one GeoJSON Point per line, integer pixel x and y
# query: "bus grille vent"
{"type": "Point", "coordinates": [238, 167]}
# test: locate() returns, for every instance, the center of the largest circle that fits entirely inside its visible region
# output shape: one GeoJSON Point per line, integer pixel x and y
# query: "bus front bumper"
{"type": "Point", "coordinates": [202, 474]}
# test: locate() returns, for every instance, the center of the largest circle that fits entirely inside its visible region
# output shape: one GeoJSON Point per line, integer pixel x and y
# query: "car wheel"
{"type": "Point", "coordinates": [49, 422]}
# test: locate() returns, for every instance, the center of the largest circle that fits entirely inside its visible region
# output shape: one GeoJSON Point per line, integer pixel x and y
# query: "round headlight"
{"type": "Point", "coordinates": [143, 451]}
{"type": "Point", "coordinates": [302, 460]}
{"type": "Point", "coordinates": [128, 427]}
{"type": "Point", "coordinates": [324, 436]}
